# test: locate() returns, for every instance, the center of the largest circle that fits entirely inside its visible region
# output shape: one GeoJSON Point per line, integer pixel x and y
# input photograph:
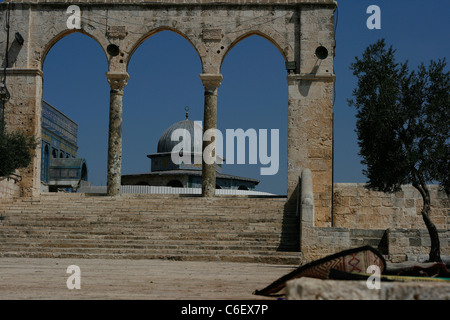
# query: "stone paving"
{"type": "Point", "coordinates": [106, 279]}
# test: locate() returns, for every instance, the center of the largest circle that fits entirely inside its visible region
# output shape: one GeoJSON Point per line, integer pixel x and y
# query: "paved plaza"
{"type": "Point", "coordinates": [26, 278]}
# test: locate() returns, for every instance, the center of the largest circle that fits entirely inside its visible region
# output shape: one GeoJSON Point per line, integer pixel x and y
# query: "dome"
{"type": "Point", "coordinates": [165, 143]}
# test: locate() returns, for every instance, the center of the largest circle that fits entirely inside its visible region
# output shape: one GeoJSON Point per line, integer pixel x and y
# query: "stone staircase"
{"type": "Point", "coordinates": [238, 229]}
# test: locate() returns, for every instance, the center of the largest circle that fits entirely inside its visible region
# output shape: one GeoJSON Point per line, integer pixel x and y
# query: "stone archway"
{"type": "Point", "coordinates": [255, 87]}
{"type": "Point", "coordinates": [296, 27]}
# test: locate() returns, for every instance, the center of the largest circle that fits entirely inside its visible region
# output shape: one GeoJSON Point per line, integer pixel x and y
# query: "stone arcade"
{"type": "Point", "coordinates": [296, 27]}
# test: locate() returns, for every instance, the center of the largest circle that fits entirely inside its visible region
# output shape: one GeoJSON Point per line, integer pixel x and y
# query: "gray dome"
{"type": "Point", "coordinates": [165, 143]}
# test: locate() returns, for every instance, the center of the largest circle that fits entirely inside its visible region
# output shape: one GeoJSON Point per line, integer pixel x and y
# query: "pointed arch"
{"type": "Point", "coordinates": [255, 87]}
{"type": "Point", "coordinates": [64, 34]}
{"type": "Point", "coordinates": [285, 53]}
{"type": "Point", "coordinates": [156, 31]}
{"type": "Point", "coordinates": [164, 72]}
{"type": "Point", "coordinates": [74, 81]}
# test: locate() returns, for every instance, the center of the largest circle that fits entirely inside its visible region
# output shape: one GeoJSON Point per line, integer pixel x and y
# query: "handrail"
{"type": "Point", "coordinates": [307, 197]}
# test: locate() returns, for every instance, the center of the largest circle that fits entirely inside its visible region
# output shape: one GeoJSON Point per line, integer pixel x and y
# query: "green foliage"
{"type": "Point", "coordinates": [403, 120]}
{"type": "Point", "coordinates": [16, 151]}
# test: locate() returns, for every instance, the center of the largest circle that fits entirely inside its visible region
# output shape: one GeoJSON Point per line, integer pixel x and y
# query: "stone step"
{"type": "Point", "coordinates": [140, 234]}
{"type": "Point", "coordinates": [148, 226]}
{"type": "Point", "coordinates": [248, 230]}
{"type": "Point", "coordinates": [150, 236]}
{"type": "Point", "coordinates": [154, 225]}
{"type": "Point", "coordinates": [171, 243]}
{"type": "Point", "coordinates": [144, 250]}
{"type": "Point", "coordinates": [249, 241]}
{"type": "Point", "coordinates": [160, 247]}
{"type": "Point", "coordinates": [144, 206]}
{"type": "Point", "coordinates": [130, 216]}
{"type": "Point", "coordinates": [273, 259]}
{"type": "Point", "coordinates": [135, 218]}
{"type": "Point", "coordinates": [143, 211]}
{"type": "Point", "coordinates": [93, 247]}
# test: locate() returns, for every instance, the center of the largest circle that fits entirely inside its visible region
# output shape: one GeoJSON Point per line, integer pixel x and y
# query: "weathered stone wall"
{"type": "Point", "coordinates": [9, 188]}
{"type": "Point", "coordinates": [324, 241]}
{"type": "Point", "coordinates": [413, 244]}
{"type": "Point", "coordinates": [308, 119]}
{"type": "Point", "coordinates": [396, 244]}
{"type": "Point", "coordinates": [391, 223]}
{"type": "Point", "coordinates": [318, 289]}
{"type": "Point", "coordinates": [355, 207]}
{"type": "Point", "coordinates": [310, 122]}
{"type": "Point", "coordinates": [23, 113]}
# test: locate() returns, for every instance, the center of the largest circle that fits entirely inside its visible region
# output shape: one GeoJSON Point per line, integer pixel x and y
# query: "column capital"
{"type": "Point", "coordinates": [211, 81]}
{"type": "Point", "coordinates": [117, 80]}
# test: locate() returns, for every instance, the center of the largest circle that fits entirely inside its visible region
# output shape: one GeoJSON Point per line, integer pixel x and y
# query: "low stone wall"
{"type": "Point", "coordinates": [317, 289]}
{"type": "Point", "coordinates": [9, 188]}
{"type": "Point", "coordinates": [397, 245]}
{"type": "Point", "coordinates": [355, 207]}
{"type": "Point", "coordinates": [406, 244]}
{"type": "Point", "coordinates": [326, 241]}
{"type": "Point", "coordinates": [391, 223]}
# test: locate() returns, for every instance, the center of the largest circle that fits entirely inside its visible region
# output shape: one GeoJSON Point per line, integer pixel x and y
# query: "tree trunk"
{"type": "Point", "coordinates": [435, 251]}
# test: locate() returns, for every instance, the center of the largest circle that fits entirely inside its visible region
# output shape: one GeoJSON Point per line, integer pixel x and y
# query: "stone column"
{"type": "Point", "coordinates": [117, 82]}
{"type": "Point", "coordinates": [211, 82]}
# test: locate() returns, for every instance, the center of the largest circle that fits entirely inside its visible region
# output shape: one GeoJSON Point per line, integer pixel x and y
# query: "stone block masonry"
{"type": "Point", "coordinates": [357, 207]}
{"type": "Point", "coordinates": [391, 223]}
{"type": "Point", "coordinates": [9, 188]}
{"type": "Point", "coordinates": [412, 244]}
{"type": "Point", "coordinates": [397, 245]}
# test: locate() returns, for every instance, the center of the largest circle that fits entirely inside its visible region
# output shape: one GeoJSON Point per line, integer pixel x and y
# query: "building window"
{"type": "Point", "coordinates": [45, 163]}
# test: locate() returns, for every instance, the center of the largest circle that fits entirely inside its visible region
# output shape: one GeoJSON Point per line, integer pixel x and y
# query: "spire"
{"type": "Point", "coordinates": [187, 112]}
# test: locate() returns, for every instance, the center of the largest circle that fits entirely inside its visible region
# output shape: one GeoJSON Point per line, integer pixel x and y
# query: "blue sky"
{"type": "Point", "coordinates": [165, 78]}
